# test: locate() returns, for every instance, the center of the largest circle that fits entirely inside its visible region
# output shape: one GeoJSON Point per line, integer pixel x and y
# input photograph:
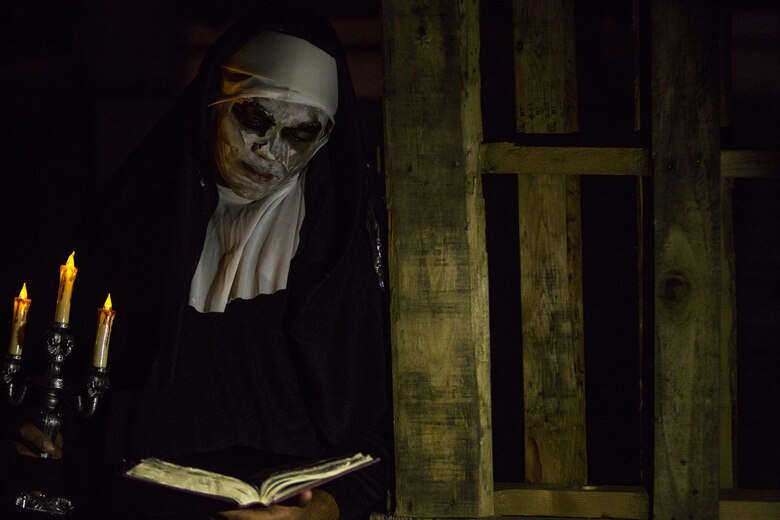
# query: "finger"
{"type": "Point", "coordinates": [56, 451]}
{"type": "Point", "coordinates": [32, 435]}
{"type": "Point", "coordinates": [23, 450]}
{"type": "Point", "coordinates": [305, 498]}
{"type": "Point", "coordinates": [36, 439]}
{"type": "Point", "coordinates": [244, 514]}
{"type": "Point", "coordinates": [302, 499]}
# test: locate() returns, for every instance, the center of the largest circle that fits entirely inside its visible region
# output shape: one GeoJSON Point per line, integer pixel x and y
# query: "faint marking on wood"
{"type": "Point", "coordinates": [438, 263]}
{"type": "Point", "coordinates": [687, 237]}
{"type": "Point", "coordinates": [551, 300]}
{"type": "Point", "coordinates": [545, 66]}
{"type": "Point", "coordinates": [571, 501]}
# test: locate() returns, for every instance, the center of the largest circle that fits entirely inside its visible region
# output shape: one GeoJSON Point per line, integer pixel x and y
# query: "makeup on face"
{"type": "Point", "coordinates": [262, 143]}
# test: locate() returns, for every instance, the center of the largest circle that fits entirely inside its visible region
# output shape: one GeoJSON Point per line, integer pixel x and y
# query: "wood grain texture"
{"type": "Point", "coordinates": [728, 342]}
{"type": "Point", "coordinates": [438, 263]}
{"type": "Point", "coordinates": [545, 66]}
{"type": "Point", "coordinates": [752, 504]}
{"type": "Point", "coordinates": [572, 501]}
{"type": "Point", "coordinates": [574, 160]}
{"type": "Point", "coordinates": [747, 163]}
{"type": "Point", "coordinates": [687, 235]}
{"type": "Point", "coordinates": [581, 160]}
{"type": "Point", "coordinates": [551, 306]}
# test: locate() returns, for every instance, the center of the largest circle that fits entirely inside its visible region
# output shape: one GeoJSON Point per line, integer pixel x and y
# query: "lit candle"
{"type": "Point", "coordinates": [105, 322]}
{"type": "Point", "coordinates": [21, 306]}
{"type": "Point", "coordinates": [67, 277]}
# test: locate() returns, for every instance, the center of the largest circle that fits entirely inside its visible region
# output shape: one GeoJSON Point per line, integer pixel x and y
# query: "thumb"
{"type": "Point", "coordinates": [305, 498]}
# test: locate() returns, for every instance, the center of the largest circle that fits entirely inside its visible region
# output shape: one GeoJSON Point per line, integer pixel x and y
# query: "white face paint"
{"type": "Point", "coordinates": [261, 143]}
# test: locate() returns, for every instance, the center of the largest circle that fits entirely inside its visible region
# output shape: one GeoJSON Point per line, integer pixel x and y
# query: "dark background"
{"type": "Point", "coordinates": [81, 83]}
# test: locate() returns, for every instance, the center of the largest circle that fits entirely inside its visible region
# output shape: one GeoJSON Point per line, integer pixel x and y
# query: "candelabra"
{"type": "Point", "coordinates": [48, 395]}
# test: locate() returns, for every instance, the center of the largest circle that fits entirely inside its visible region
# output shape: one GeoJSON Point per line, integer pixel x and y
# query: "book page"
{"type": "Point", "coordinates": [195, 480]}
{"type": "Point", "coordinates": [279, 486]}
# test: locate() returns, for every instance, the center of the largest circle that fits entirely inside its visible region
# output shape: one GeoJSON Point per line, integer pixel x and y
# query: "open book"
{"type": "Point", "coordinates": [277, 487]}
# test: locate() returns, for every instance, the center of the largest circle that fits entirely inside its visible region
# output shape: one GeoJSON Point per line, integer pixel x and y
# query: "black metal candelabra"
{"type": "Point", "coordinates": [55, 392]}
{"type": "Point", "coordinates": [48, 396]}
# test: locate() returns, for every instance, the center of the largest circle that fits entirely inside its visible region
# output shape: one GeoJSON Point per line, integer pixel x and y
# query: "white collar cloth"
{"type": "Point", "coordinates": [248, 247]}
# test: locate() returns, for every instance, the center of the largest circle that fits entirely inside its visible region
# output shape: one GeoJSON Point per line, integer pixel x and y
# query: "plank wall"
{"type": "Point", "coordinates": [434, 158]}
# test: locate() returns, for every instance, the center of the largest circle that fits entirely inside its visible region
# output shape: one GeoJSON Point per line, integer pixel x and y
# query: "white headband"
{"type": "Point", "coordinates": [281, 66]}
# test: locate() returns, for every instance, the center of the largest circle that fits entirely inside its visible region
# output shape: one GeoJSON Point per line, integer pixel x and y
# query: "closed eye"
{"type": "Point", "coordinates": [304, 133]}
{"type": "Point", "coordinates": [253, 116]}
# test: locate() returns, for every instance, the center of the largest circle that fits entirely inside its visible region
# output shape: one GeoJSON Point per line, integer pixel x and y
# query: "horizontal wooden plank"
{"type": "Point", "coordinates": [583, 160]}
{"type": "Point", "coordinates": [747, 163]}
{"type": "Point", "coordinates": [755, 504]}
{"type": "Point", "coordinates": [571, 501]}
{"type": "Point", "coordinates": [530, 502]}
{"type": "Point", "coordinates": [574, 160]}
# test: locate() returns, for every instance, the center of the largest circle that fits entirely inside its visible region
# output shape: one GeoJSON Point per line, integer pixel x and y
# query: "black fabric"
{"type": "Point", "coordinates": [299, 372]}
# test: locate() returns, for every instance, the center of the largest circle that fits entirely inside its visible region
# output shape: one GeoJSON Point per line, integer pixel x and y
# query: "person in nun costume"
{"type": "Point", "coordinates": [239, 249]}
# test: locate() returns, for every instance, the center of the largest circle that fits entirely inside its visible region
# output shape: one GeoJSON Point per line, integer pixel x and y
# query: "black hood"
{"type": "Point", "coordinates": [142, 236]}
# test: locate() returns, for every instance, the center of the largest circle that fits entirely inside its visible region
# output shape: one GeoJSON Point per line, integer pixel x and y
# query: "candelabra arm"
{"type": "Point", "coordinates": [15, 390]}
{"type": "Point", "coordinates": [97, 385]}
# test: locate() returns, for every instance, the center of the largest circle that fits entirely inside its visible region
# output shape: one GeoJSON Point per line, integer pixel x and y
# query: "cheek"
{"type": "Point", "coordinates": [250, 139]}
{"type": "Point", "coordinates": [228, 151]}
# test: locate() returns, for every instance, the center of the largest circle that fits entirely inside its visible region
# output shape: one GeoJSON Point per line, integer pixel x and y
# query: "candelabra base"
{"type": "Point", "coordinates": [38, 482]}
{"type": "Point", "coordinates": [53, 507]}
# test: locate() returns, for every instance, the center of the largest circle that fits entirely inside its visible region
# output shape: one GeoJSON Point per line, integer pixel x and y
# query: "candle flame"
{"type": "Point", "coordinates": [107, 305]}
{"type": "Point", "coordinates": [70, 262]}
{"type": "Point", "coordinates": [23, 292]}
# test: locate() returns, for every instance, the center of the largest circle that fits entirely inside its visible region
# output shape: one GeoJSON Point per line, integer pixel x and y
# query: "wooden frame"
{"type": "Point", "coordinates": [434, 160]}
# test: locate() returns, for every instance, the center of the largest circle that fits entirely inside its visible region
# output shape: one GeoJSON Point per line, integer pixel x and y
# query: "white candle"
{"type": "Point", "coordinates": [103, 336]}
{"type": "Point", "coordinates": [67, 277]}
{"type": "Point", "coordinates": [21, 306]}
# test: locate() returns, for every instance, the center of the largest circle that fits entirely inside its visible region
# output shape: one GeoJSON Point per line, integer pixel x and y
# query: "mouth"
{"type": "Point", "coordinates": [260, 176]}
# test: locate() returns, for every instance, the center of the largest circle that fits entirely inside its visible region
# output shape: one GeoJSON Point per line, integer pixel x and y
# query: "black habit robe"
{"type": "Point", "coordinates": [300, 372]}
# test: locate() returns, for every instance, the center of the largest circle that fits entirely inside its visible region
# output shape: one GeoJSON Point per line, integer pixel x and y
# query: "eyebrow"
{"type": "Point", "coordinates": [265, 112]}
{"type": "Point", "coordinates": [309, 125]}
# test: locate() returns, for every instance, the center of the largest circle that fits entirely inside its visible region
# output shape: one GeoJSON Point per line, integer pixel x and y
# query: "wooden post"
{"type": "Point", "coordinates": [553, 349]}
{"type": "Point", "coordinates": [550, 253]}
{"type": "Point", "coordinates": [438, 263]}
{"type": "Point", "coordinates": [545, 66]}
{"type": "Point", "coordinates": [728, 343]}
{"type": "Point", "coordinates": [687, 197]}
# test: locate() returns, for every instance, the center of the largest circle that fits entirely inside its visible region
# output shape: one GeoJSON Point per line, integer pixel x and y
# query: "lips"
{"type": "Point", "coordinates": [260, 176]}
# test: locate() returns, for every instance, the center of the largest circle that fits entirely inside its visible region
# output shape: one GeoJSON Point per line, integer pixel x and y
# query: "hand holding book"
{"type": "Point", "coordinates": [314, 504]}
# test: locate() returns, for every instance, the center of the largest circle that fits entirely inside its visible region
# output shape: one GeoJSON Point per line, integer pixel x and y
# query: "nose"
{"type": "Point", "coordinates": [264, 150]}
{"type": "Point", "coordinates": [272, 148]}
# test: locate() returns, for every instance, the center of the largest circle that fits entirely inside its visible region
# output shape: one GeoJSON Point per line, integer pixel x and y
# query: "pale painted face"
{"type": "Point", "coordinates": [261, 143]}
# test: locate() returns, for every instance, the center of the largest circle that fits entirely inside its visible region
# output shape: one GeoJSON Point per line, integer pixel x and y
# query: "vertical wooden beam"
{"type": "Point", "coordinates": [637, 40]}
{"type": "Point", "coordinates": [685, 81]}
{"type": "Point", "coordinates": [545, 66]}
{"type": "Point", "coordinates": [553, 350]}
{"type": "Point", "coordinates": [728, 304]}
{"type": "Point", "coordinates": [724, 41]}
{"type": "Point", "coordinates": [728, 343]}
{"type": "Point", "coordinates": [438, 263]}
